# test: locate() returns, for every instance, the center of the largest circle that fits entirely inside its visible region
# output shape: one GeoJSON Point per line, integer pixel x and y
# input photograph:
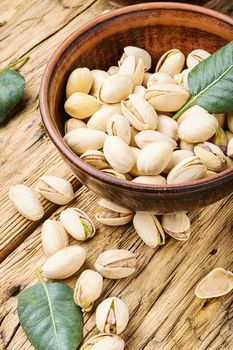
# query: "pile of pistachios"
{"type": "Point", "coordinates": [122, 121]}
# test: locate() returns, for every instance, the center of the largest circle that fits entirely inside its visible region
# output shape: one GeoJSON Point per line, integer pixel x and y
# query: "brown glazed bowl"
{"type": "Point", "coordinates": [156, 27]}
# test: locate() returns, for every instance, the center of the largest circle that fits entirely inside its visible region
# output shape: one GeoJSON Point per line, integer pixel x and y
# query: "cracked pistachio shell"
{"type": "Point", "coordinates": [113, 70]}
{"type": "Point", "coordinates": [77, 224]}
{"type": "Point", "coordinates": [112, 218]}
{"type": "Point", "coordinates": [98, 120]}
{"type": "Point", "coordinates": [81, 106]}
{"type": "Point", "coordinates": [99, 76]}
{"type": "Point", "coordinates": [217, 283]}
{"type": "Point", "coordinates": [95, 159]}
{"type": "Point", "coordinates": [177, 156]}
{"type": "Point", "coordinates": [104, 203]}
{"type": "Point", "coordinates": [104, 342]}
{"type": "Point", "coordinates": [82, 140]}
{"type": "Point", "coordinates": [197, 127]}
{"type": "Point", "coordinates": [135, 171]}
{"type": "Point", "coordinates": [230, 122]}
{"type": "Point", "coordinates": [112, 316]}
{"type": "Point", "coordinates": [55, 189]}
{"type": "Point", "coordinates": [167, 97]}
{"type": "Point", "coordinates": [138, 53]}
{"type": "Point", "coordinates": [189, 169]}
{"type": "Point", "coordinates": [168, 126]}
{"type": "Point", "coordinates": [80, 80]}
{"type": "Point", "coordinates": [149, 229]}
{"type": "Point", "coordinates": [139, 90]}
{"type": "Point", "coordinates": [182, 78]}
{"type": "Point", "coordinates": [140, 113]}
{"type": "Point", "coordinates": [53, 237]}
{"type": "Point", "coordinates": [177, 225]}
{"type": "Point", "coordinates": [88, 289]}
{"type": "Point", "coordinates": [150, 180]}
{"type": "Point", "coordinates": [118, 125]}
{"type": "Point", "coordinates": [116, 263]}
{"type": "Point", "coordinates": [192, 110]}
{"type": "Point", "coordinates": [221, 117]}
{"type": "Point", "coordinates": [118, 154]}
{"type": "Point", "coordinates": [114, 173]}
{"type": "Point", "coordinates": [26, 202]}
{"type": "Point", "coordinates": [187, 146]}
{"type": "Point", "coordinates": [195, 57]}
{"type": "Point", "coordinates": [135, 69]}
{"type": "Point", "coordinates": [211, 156]}
{"type": "Point", "coordinates": [115, 88]}
{"type": "Point", "coordinates": [171, 62]}
{"type": "Point", "coordinates": [153, 158]}
{"type": "Point", "coordinates": [160, 78]}
{"type": "Point", "coordinates": [64, 263]}
{"type": "Point", "coordinates": [220, 140]}
{"type": "Point", "coordinates": [145, 137]}
{"type": "Point", "coordinates": [230, 148]}
{"type": "Point", "coordinates": [73, 123]}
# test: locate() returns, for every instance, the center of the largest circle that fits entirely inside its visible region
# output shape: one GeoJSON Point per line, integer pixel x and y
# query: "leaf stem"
{"type": "Point", "coordinates": [39, 276]}
{"type": "Point", "coordinates": [184, 108]}
{"type": "Point", "coordinates": [15, 63]}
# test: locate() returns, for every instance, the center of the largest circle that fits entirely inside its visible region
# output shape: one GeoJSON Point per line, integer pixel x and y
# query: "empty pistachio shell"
{"type": "Point", "coordinates": [116, 263]}
{"type": "Point", "coordinates": [139, 90]}
{"type": "Point", "coordinates": [140, 113]}
{"type": "Point", "coordinates": [134, 68]}
{"type": "Point", "coordinates": [220, 140]}
{"type": "Point", "coordinates": [150, 180]}
{"type": "Point", "coordinates": [98, 120]}
{"type": "Point", "coordinates": [112, 316]}
{"type": "Point", "coordinates": [160, 78]}
{"type": "Point", "coordinates": [64, 263]}
{"type": "Point", "coordinates": [77, 224]}
{"type": "Point", "coordinates": [55, 189]}
{"type": "Point", "coordinates": [104, 342]}
{"type": "Point", "coordinates": [116, 88]}
{"type": "Point", "coordinates": [112, 218]}
{"type": "Point", "coordinates": [81, 106]}
{"type": "Point", "coordinates": [113, 70]}
{"type": "Point", "coordinates": [230, 122]}
{"type": "Point", "coordinates": [73, 123]}
{"type": "Point", "coordinates": [195, 57]}
{"type": "Point", "coordinates": [113, 206]}
{"type": "Point", "coordinates": [230, 148]}
{"type": "Point", "coordinates": [80, 80]}
{"type": "Point", "coordinates": [154, 158]}
{"type": "Point", "coordinates": [114, 173]}
{"type": "Point", "coordinates": [26, 202]}
{"type": "Point", "coordinates": [88, 289]}
{"type": "Point", "coordinates": [189, 169]}
{"type": "Point", "coordinates": [118, 125]}
{"type": "Point", "coordinates": [95, 158]}
{"type": "Point", "coordinates": [182, 78]}
{"type": "Point", "coordinates": [82, 140]}
{"type": "Point", "coordinates": [221, 117]}
{"type": "Point", "coordinates": [137, 53]}
{"type": "Point", "coordinates": [211, 156]}
{"type": "Point", "coordinates": [53, 236]}
{"type": "Point", "coordinates": [171, 62]}
{"type": "Point", "coordinates": [168, 126]}
{"type": "Point", "coordinates": [167, 97]}
{"type": "Point", "coordinates": [177, 225]}
{"type": "Point", "coordinates": [99, 76]}
{"type": "Point", "coordinates": [217, 283]}
{"type": "Point", "coordinates": [145, 137]}
{"type": "Point", "coordinates": [187, 146]}
{"type": "Point", "coordinates": [149, 229]}
{"type": "Point", "coordinates": [177, 156]}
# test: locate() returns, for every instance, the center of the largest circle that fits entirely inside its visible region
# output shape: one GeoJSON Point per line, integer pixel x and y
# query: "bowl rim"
{"type": "Point", "coordinates": [74, 159]}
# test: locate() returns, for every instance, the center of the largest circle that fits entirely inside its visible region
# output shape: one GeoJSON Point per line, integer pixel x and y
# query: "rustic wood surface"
{"type": "Point", "coordinates": [164, 313]}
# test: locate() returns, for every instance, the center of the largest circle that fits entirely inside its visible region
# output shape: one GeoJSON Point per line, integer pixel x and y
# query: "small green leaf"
{"type": "Point", "coordinates": [49, 317]}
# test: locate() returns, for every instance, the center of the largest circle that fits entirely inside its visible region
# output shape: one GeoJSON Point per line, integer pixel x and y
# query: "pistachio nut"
{"type": "Point", "coordinates": [104, 203]}
{"type": "Point", "coordinates": [64, 263]}
{"type": "Point", "coordinates": [145, 137]}
{"type": "Point", "coordinates": [80, 80]}
{"type": "Point", "coordinates": [26, 202]}
{"type": "Point", "coordinates": [192, 110]}
{"type": "Point", "coordinates": [112, 218]}
{"type": "Point", "coordinates": [177, 225]}
{"type": "Point", "coordinates": [230, 122]}
{"type": "Point", "coordinates": [182, 78]}
{"type": "Point", "coordinates": [135, 171]}
{"type": "Point", "coordinates": [99, 76]}
{"type": "Point", "coordinates": [230, 148]}
{"type": "Point", "coordinates": [53, 237]}
{"type": "Point", "coordinates": [150, 180]}
{"type": "Point", "coordinates": [221, 117]}
{"type": "Point", "coordinates": [118, 125]}
{"type": "Point", "coordinates": [115, 88]}
{"type": "Point", "coordinates": [229, 135]}
{"type": "Point", "coordinates": [211, 156]}
{"type": "Point", "coordinates": [81, 106]}
{"type": "Point", "coordinates": [133, 134]}
{"type": "Point", "coordinates": [95, 159]}
{"type": "Point", "coordinates": [73, 123]}
{"type": "Point", "coordinates": [114, 173]}
{"type": "Point", "coordinates": [171, 62]}
{"type": "Point", "coordinates": [88, 289]}
{"type": "Point", "coordinates": [168, 126]}
{"type": "Point", "coordinates": [55, 189]}
{"type": "Point", "coordinates": [116, 263]}
{"type": "Point", "coordinates": [187, 146]}
{"type": "Point", "coordinates": [195, 57]}
{"type": "Point", "coordinates": [210, 173]}
{"type": "Point", "coordinates": [146, 78]}
{"type": "Point", "coordinates": [220, 140]}
{"type": "Point", "coordinates": [139, 90]}
{"type": "Point", "coordinates": [149, 229]}
{"type": "Point", "coordinates": [118, 154]}
{"type": "Point", "coordinates": [82, 140]}
{"type": "Point", "coordinates": [113, 70]}
{"type": "Point", "coordinates": [197, 127]}
{"type": "Point", "coordinates": [112, 316]}
{"type": "Point", "coordinates": [189, 169]}
{"type": "Point", "coordinates": [160, 77]}
{"type": "Point", "coordinates": [139, 112]}
{"type": "Point", "coordinates": [137, 53]}
{"type": "Point", "coordinates": [77, 224]}
{"type": "Point", "coordinates": [153, 158]}
{"type": "Point", "coordinates": [98, 120]}
{"type": "Point", "coordinates": [177, 156]}
{"type": "Point", "coordinates": [104, 342]}
{"type": "Point", "coordinates": [167, 97]}
{"type": "Point", "coordinates": [135, 69]}
{"type": "Point", "coordinates": [217, 283]}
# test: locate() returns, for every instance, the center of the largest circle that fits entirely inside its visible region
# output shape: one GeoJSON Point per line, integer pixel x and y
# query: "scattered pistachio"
{"type": "Point", "coordinates": [177, 225]}
{"type": "Point", "coordinates": [104, 342]}
{"type": "Point", "coordinates": [53, 237]}
{"type": "Point", "coordinates": [149, 229]}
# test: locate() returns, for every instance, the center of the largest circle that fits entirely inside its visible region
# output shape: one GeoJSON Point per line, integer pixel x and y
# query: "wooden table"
{"type": "Point", "coordinates": [165, 314]}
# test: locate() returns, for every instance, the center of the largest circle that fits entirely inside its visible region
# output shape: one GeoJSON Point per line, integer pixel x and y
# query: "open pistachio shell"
{"type": "Point", "coordinates": [160, 77]}
{"type": "Point", "coordinates": [99, 119]}
{"type": "Point", "coordinates": [104, 342]}
{"type": "Point", "coordinates": [114, 173]}
{"type": "Point", "coordinates": [182, 78]}
{"type": "Point", "coordinates": [81, 106]}
{"type": "Point", "coordinates": [117, 125]}
{"type": "Point", "coordinates": [195, 57]}
{"type": "Point", "coordinates": [177, 156]}
{"type": "Point", "coordinates": [177, 225]}
{"type": "Point", "coordinates": [113, 206]}
{"type": "Point", "coordinates": [134, 68]}
{"type": "Point", "coordinates": [149, 229]}
{"type": "Point", "coordinates": [112, 218]}
{"type": "Point", "coordinates": [115, 88]}
{"type": "Point", "coordinates": [80, 80]}
{"type": "Point", "coordinates": [211, 156]}
{"type": "Point", "coordinates": [171, 62]}
{"type": "Point", "coordinates": [189, 169]}
{"type": "Point", "coordinates": [99, 76]}
{"type": "Point", "coordinates": [95, 159]}
{"type": "Point", "coordinates": [145, 137]}
{"type": "Point", "coordinates": [138, 53]}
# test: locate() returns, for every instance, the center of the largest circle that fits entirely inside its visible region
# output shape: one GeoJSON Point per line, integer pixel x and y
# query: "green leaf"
{"type": "Point", "coordinates": [211, 83]}
{"type": "Point", "coordinates": [49, 317]}
{"type": "Point", "coordinates": [11, 91]}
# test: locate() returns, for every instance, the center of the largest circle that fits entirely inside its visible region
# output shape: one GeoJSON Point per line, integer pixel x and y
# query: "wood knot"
{"type": "Point", "coordinates": [15, 290]}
